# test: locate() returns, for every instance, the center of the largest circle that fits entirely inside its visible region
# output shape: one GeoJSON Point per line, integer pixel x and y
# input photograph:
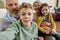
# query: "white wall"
{"type": "Point", "coordinates": [20, 1]}
{"type": "Point", "coordinates": [50, 2]}
{"type": "Point", "coordinates": [28, 1]}
{"type": "Point", "coordinates": [59, 3]}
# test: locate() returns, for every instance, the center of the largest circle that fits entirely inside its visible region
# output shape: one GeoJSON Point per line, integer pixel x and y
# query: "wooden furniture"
{"type": "Point", "coordinates": [58, 16]}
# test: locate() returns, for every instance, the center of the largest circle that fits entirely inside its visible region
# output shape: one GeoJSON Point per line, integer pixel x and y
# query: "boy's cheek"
{"type": "Point", "coordinates": [31, 17]}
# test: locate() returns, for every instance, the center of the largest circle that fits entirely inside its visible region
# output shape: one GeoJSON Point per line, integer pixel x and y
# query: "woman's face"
{"type": "Point", "coordinates": [45, 10]}
{"type": "Point", "coordinates": [26, 16]}
{"type": "Point", "coordinates": [36, 6]}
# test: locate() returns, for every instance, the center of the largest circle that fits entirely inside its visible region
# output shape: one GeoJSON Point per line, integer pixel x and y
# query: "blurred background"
{"type": "Point", "coordinates": [54, 9]}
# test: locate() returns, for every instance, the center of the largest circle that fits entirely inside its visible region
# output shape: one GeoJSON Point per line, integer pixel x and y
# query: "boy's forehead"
{"type": "Point", "coordinates": [26, 10]}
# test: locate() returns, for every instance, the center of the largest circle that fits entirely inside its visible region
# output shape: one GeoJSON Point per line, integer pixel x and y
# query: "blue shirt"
{"type": "Point", "coordinates": [9, 17]}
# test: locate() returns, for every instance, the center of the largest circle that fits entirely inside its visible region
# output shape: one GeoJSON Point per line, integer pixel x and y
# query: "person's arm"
{"type": "Point", "coordinates": [40, 38]}
{"type": "Point", "coordinates": [53, 23]}
{"type": "Point", "coordinates": [53, 31]}
{"type": "Point", "coordinates": [10, 33]}
{"type": "Point", "coordinates": [39, 23]}
{"type": "Point", "coordinates": [4, 24]}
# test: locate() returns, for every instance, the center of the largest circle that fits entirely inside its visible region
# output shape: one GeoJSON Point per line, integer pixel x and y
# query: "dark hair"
{"type": "Point", "coordinates": [49, 15]}
{"type": "Point", "coordinates": [44, 4]}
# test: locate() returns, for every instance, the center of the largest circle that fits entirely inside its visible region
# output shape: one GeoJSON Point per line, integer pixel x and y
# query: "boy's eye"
{"type": "Point", "coordinates": [29, 13]}
{"type": "Point", "coordinates": [23, 14]}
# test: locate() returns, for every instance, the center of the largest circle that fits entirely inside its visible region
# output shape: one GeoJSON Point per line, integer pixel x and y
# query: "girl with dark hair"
{"type": "Point", "coordinates": [46, 24]}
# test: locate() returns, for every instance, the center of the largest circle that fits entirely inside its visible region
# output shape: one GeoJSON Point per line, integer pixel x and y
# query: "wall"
{"type": "Point", "coordinates": [1, 4]}
{"type": "Point", "coordinates": [52, 3]}
{"type": "Point", "coordinates": [59, 4]}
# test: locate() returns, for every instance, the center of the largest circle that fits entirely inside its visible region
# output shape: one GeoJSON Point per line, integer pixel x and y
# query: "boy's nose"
{"type": "Point", "coordinates": [27, 16]}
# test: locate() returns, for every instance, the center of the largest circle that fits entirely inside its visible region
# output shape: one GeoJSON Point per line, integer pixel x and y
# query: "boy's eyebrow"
{"type": "Point", "coordinates": [22, 12]}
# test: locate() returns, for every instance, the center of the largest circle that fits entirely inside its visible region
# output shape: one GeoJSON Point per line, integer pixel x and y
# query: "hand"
{"type": "Point", "coordinates": [46, 23]}
{"type": "Point", "coordinates": [47, 28]}
{"type": "Point", "coordinates": [40, 38]}
{"type": "Point", "coordinates": [53, 31]}
{"type": "Point", "coordinates": [46, 32]}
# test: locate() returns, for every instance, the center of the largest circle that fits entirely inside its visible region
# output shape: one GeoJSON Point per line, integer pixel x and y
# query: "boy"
{"type": "Point", "coordinates": [24, 28]}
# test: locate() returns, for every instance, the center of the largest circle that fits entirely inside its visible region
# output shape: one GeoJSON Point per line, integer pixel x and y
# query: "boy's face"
{"type": "Point", "coordinates": [26, 16]}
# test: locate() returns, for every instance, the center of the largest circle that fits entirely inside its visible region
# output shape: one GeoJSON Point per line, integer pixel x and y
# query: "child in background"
{"type": "Point", "coordinates": [24, 28]}
{"type": "Point", "coordinates": [51, 28]}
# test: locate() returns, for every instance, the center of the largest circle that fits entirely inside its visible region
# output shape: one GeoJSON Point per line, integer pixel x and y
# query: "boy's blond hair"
{"type": "Point", "coordinates": [25, 5]}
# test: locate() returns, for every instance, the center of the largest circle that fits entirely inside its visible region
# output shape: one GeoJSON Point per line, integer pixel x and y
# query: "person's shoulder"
{"type": "Point", "coordinates": [39, 18]}
{"type": "Point", "coordinates": [4, 24]}
{"type": "Point", "coordinates": [3, 20]}
{"type": "Point", "coordinates": [34, 24]}
{"type": "Point", "coordinates": [17, 23]}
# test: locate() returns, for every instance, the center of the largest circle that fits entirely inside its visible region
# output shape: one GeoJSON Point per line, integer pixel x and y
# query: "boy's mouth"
{"type": "Point", "coordinates": [26, 21]}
